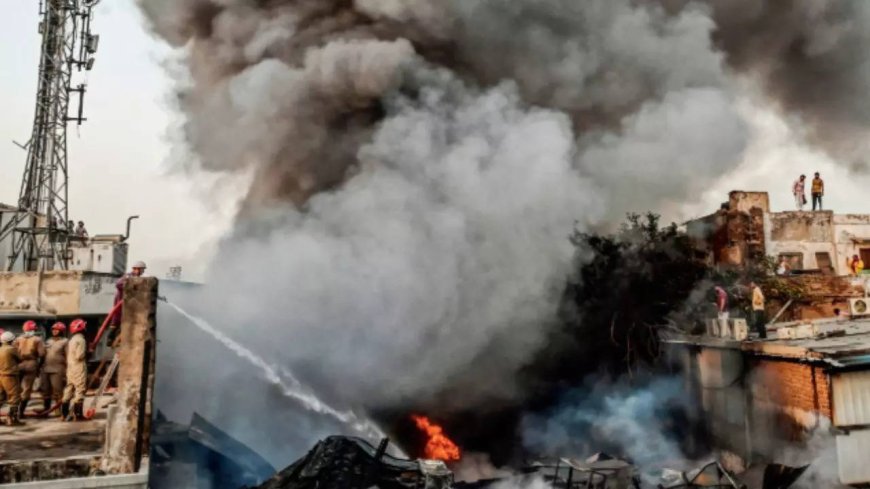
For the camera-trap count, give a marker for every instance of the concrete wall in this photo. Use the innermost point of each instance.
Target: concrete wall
(61, 293)
(807, 250)
(802, 226)
(808, 233)
(852, 233)
(129, 421)
(128, 481)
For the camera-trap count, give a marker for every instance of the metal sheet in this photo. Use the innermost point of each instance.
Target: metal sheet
(852, 450)
(852, 398)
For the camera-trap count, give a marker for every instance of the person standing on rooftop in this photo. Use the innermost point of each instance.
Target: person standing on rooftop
(799, 191)
(759, 322)
(818, 190)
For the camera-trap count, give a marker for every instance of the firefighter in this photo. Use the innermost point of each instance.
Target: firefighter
(31, 351)
(54, 372)
(9, 376)
(76, 373)
(137, 270)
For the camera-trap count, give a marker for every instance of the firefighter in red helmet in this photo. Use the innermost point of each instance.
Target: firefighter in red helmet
(76, 373)
(53, 378)
(31, 350)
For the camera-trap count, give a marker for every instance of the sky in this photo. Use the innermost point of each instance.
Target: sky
(121, 159)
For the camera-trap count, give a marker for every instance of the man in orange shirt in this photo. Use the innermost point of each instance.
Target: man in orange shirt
(818, 190)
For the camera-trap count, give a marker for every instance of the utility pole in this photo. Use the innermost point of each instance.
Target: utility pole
(39, 232)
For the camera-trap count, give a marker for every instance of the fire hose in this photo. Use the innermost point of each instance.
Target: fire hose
(105, 323)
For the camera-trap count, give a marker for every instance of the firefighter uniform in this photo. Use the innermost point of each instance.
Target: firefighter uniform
(9, 379)
(54, 372)
(76, 372)
(31, 351)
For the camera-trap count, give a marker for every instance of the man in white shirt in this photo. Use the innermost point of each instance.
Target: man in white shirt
(799, 191)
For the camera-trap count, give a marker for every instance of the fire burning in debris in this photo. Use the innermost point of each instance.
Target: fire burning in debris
(438, 445)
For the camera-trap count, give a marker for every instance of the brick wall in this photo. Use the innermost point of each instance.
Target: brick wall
(786, 404)
(796, 388)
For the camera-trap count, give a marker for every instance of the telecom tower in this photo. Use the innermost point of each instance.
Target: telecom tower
(39, 232)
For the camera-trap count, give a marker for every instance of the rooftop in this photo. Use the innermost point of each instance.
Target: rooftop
(839, 343)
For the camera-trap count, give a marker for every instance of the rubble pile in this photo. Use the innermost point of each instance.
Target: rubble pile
(340, 462)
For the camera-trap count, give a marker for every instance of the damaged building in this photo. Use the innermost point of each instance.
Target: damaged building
(745, 228)
(808, 379)
(811, 376)
(817, 245)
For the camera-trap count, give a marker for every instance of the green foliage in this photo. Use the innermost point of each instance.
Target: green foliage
(624, 286)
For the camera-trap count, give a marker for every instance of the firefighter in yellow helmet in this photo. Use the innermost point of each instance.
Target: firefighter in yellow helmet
(9, 376)
(76, 373)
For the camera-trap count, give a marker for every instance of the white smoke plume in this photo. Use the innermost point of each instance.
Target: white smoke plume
(418, 165)
(819, 451)
(627, 422)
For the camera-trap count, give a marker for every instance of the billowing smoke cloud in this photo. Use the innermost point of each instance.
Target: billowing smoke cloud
(810, 57)
(418, 165)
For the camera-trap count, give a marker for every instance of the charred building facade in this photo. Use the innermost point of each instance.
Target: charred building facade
(745, 229)
(816, 246)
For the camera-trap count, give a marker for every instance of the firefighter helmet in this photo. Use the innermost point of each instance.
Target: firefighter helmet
(77, 326)
(7, 337)
(29, 326)
(58, 326)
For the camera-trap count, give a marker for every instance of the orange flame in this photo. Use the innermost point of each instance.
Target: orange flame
(438, 446)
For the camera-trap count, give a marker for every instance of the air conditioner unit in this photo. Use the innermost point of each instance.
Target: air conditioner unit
(859, 306)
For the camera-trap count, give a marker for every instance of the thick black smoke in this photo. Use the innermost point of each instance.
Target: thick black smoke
(417, 166)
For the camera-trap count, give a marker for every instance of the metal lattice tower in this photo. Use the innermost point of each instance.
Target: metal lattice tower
(39, 232)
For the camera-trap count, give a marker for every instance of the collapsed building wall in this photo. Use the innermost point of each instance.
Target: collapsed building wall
(734, 235)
